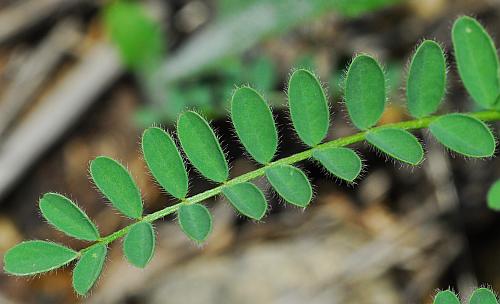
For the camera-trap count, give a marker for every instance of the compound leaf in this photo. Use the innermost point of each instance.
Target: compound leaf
(477, 60)
(165, 162)
(446, 297)
(201, 146)
(88, 269)
(308, 107)
(341, 162)
(247, 199)
(67, 217)
(291, 184)
(365, 91)
(464, 134)
(32, 257)
(426, 80)
(254, 124)
(493, 197)
(137, 36)
(195, 221)
(483, 296)
(398, 144)
(117, 185)
(139, 244)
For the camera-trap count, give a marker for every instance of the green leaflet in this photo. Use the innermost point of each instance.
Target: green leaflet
(254, 124)
(426, 80)
(137, 36)
(139, 244)
(308, 107)
(341, 162)
(464, 134)
(165, 162)
(247, 199)
(67, 217)
(365, 92)
(493, 197)
(291, 184)
(446, 297)
(195, 221)
(201, 146)
(398, 144)
(117, 185)
(32, 257)
(483, 296)
(477, 60)
(88, 269)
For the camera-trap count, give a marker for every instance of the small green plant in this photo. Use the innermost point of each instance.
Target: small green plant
(365, 99)
(479, 296)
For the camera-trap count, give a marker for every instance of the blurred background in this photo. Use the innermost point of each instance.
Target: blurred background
(84, 78)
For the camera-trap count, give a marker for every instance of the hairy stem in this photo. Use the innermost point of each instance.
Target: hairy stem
(344, 141)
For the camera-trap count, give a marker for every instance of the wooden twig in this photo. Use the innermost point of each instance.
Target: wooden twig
(57, 111)
(34, 71)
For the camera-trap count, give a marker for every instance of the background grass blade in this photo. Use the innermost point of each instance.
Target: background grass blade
(291, 184)
(483, 296)
(195, 221)
(426, 83)
(117, 185)
(308, 107)
(446, 297)
(254, 124)
(139, 244)
(202, 147)
(464, 134)
(365, 92)
(66, 216)
(165, 162)
(477, 60)
(342, 162)
(398, 144)
(32, 257)
(88, 269)
(247, 199)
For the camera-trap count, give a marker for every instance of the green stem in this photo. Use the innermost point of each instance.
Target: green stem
(358, 137)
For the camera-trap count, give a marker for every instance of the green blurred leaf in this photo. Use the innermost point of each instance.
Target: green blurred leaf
(67, 217)
(195, 221)
(427, 79)
(201, 146)
(398, 144)
(137, 36)
(464, 134)
(262, 74)
(483, 296)
(493, 197)
(117, 185)
(365, 91)
(446, 297)
(308, 107)
(88, 269)
(342, 162)
(291, 184)
(32, 257)
(247, 199)
(165, 162)
(139, 244)
(254, 124)
(477, 60)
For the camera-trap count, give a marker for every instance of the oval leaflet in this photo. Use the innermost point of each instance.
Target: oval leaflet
(341, 162)
(247, 199)
(88, 268)
(308, 107)
(201, 146)
(195, 221)
(398, 144)
(291, 184)
(139, 244)
(254, 124)
(67, 217)
(165, 162)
